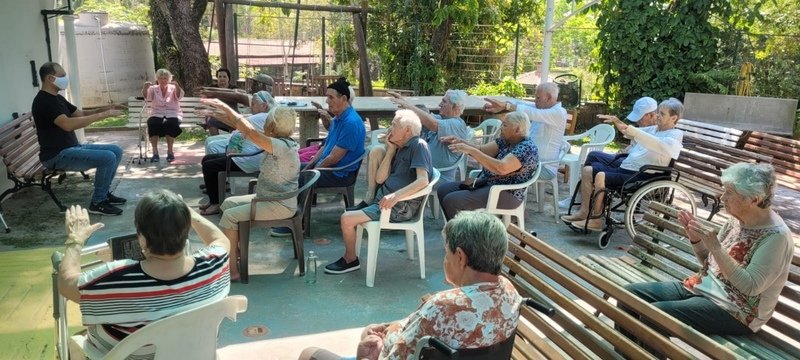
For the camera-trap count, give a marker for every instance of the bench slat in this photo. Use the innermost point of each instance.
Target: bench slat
(642, 332)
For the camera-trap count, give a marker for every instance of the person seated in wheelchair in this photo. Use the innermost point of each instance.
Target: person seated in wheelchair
(652, 145)
(220, 146)
(117, 298)
(511, 159)
(481, 310)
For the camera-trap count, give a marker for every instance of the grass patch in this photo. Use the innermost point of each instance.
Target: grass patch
(194, 133)
(115, 121)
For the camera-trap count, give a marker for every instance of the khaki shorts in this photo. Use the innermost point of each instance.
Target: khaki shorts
(237, 208)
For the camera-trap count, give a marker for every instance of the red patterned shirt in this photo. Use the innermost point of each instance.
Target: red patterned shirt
(471, 316)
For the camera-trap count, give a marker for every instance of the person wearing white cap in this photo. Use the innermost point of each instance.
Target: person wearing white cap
(652, 145)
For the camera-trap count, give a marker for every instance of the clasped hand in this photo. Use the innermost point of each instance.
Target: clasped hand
(697, 232)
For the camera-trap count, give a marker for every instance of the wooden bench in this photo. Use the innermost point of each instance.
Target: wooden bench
(707, 150)
(136, 112)
(19, 148)
(785, 155)
(660, 252)
(575, 331)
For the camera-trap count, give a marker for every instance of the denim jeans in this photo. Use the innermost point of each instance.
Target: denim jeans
(104, 157)
(696, 311)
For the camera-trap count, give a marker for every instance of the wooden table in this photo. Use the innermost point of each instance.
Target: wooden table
(373, 108)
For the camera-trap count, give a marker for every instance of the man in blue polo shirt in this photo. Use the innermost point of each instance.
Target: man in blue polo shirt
(344, 144)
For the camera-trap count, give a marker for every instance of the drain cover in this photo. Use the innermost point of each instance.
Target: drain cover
(256, 331)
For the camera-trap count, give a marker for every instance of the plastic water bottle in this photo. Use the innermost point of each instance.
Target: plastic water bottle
(311, 268)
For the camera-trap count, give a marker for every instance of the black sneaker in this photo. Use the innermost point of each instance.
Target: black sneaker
(104, 208)
(115, 200)
(358, 206)
(342, 267)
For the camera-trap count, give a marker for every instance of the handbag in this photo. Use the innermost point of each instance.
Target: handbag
(472, 184)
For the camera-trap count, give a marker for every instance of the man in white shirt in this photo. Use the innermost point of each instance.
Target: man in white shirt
(652, 145)
(548, 123)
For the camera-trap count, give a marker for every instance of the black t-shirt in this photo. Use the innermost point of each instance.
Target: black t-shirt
(46, 108)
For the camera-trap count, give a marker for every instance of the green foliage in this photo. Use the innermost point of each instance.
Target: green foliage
(116, 121)
(664, 48)
(418, 42)
(506, 87)
(130, 11)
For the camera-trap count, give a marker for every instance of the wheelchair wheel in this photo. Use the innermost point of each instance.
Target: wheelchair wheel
(605, 238)
(663, 191)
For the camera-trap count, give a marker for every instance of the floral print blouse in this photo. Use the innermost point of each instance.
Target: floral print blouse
(471, 316)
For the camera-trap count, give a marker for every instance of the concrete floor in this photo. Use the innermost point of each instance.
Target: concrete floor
(283, 309)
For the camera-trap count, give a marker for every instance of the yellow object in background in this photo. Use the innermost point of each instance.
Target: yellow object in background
(745, 79)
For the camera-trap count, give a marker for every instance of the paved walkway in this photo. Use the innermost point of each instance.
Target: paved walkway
(281, 303)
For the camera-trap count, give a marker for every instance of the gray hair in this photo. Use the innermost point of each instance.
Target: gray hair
(407, 118)
(352, 95)
(457, 98)
(163, 72)
(520, 120)
(673, 105)
(282, 120)
(752, 181)
(549, 88)
(482, 237)
(264, 96)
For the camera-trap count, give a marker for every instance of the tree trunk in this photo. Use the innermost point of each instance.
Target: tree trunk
(440, 39)
(176, 27)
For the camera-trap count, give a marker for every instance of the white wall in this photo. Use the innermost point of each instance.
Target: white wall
(21, 40)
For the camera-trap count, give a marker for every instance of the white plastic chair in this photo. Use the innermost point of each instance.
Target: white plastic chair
(553, 183)
(488, 129)
(412, 228)
(599, 136)
(373, 137)
(460, 164)
(191, 334)
(494, 198)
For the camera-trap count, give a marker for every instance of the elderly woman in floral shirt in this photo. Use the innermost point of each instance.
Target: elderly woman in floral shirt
(744, 266)
(480, 311)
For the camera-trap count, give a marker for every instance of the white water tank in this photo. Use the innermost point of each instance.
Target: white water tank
(114, 59)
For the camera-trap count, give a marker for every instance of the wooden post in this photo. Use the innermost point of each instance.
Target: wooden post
(230, 51)
(365, 82)
(219, 15)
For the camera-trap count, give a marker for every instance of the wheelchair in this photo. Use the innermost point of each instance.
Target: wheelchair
(650, 184)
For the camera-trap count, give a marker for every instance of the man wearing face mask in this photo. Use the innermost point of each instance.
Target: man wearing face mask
(56, 121)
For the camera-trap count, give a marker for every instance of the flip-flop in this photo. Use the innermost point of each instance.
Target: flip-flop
(204, 206)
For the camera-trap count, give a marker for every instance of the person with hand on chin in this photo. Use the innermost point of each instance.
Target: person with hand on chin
(405, 169)
(56, 121)
(120, 297)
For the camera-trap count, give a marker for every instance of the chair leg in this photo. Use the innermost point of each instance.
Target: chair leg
(350, 198)
(222, 180)
(244, 248)
(359, 234)
(307, 223)
(373, 243)
(299, 252)
(420, 234)
(435, 207)
(555, 198)
(540, 195)
(410, 244)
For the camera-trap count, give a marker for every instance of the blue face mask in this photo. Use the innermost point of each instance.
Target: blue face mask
(61, 82)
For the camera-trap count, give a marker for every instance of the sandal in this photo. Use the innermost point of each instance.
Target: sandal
(581, 224)
(211, 210)
(155, 158)
(170, 157)
(204, 206)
